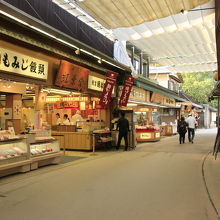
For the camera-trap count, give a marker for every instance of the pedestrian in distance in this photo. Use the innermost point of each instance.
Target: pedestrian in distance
(123, 127)
(191, 121)
(182, 129)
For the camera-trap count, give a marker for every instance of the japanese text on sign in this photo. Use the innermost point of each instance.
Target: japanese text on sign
(72, 76)
(108, 88)
(128, 83)
(96, 83)
(21, 64)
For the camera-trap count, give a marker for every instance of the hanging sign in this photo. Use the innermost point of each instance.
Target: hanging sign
(108, 88)
(41, 101)
(67, 104)
(14, 62)
(128, 83)
(96, 83)
(72, 76)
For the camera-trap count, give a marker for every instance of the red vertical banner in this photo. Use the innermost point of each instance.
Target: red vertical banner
(110, 82)
(128, 83)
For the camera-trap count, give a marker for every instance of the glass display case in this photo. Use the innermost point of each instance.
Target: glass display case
(13, 150)
(14, 156)
(37, 149)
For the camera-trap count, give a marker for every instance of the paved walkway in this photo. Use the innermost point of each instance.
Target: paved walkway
(162, 180)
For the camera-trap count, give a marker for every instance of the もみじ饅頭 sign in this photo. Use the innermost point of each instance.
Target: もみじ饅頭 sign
(14, 62)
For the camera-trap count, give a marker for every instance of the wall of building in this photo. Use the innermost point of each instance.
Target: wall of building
(162, 79)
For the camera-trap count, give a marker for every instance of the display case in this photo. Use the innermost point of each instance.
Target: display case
(14, 156)
(84, 126)
(44, 150)
(145, 133)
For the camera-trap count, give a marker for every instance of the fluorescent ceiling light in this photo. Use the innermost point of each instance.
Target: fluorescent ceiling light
(136, 36)
(14, 18)
(159, 31)
(147, 34)
(184, 25)
(131, 104)
(43, 32)
(171, 28)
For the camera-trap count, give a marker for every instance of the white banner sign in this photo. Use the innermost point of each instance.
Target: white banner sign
(11, 61)
(96, 83)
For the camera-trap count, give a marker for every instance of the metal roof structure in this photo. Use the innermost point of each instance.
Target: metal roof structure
(181, 42)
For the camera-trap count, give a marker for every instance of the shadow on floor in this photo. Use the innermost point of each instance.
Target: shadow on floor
(67, 159)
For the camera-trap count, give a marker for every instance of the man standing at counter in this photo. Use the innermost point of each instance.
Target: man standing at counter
(77, 117)
(123, 127)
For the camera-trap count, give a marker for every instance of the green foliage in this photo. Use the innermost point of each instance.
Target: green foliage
(199, 86)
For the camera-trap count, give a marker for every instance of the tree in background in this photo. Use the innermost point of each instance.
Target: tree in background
(199, 86)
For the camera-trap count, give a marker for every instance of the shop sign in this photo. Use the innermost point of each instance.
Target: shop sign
(14, 62)
(108, 89)
(41, 101)
(144, 109)
(145, 135)
(128, 83)
(169, 101)
(157, 98)
(80, 99)
(67, 104)
(96, 83)
(17, 106)
(137, 94)
(157, 135)
(72, 76)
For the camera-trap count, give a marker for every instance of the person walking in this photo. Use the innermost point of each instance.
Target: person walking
(123, 127)
(182, 129)
(191, 121)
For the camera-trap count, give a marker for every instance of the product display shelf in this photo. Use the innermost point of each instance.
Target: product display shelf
(15, 156)
(44, 153)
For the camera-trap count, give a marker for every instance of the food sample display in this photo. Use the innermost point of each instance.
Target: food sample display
(44, 148)
(14, 156)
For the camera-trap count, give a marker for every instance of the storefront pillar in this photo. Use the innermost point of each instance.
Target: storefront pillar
(132, 56)
(13, 112)
(141, 64)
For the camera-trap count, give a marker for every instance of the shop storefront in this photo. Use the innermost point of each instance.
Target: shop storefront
(54, 102)
(150, 118)
(83, 113)
(39, 99)
(22, 74)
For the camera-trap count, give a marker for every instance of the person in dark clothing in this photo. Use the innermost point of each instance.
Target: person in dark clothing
(123, 127)
(182, 129)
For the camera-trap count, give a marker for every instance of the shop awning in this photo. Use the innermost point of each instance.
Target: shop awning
(159, 89)
(125, 13)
